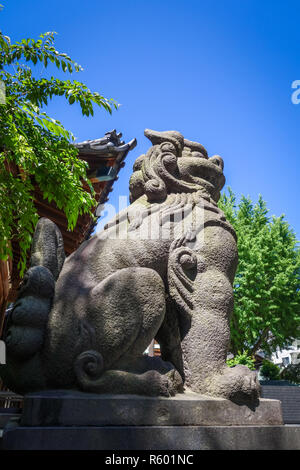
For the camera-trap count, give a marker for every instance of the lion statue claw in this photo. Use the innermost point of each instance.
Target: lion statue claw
(163, 268)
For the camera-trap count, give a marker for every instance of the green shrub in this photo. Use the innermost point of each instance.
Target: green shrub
(291, 373)
(270, 371)
(242, 358)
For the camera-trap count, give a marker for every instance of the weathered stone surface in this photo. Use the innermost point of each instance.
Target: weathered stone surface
(153, 438)
(163, 268)
(62, 408)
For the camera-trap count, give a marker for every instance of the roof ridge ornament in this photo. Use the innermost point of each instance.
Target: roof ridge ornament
(110, 143)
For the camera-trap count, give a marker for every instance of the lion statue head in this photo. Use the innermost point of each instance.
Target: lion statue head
(175, 165)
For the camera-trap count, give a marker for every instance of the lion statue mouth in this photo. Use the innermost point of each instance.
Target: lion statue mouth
(195, 167)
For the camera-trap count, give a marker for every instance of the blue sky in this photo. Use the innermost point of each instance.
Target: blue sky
(218, 71)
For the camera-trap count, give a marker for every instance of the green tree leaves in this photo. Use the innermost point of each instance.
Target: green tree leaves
(291, 373)
(267, 282)
(270, 371)
(35, 149)
(242, 358)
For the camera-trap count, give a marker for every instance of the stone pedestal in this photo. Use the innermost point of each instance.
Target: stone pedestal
(68, 408)
(74, 420)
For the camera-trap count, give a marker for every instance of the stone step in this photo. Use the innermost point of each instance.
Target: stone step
(152, 438)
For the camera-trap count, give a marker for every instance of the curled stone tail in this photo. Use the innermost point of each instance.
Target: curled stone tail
(88, 368)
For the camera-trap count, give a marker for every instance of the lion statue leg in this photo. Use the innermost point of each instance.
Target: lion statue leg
(206, 340)
(200, 284)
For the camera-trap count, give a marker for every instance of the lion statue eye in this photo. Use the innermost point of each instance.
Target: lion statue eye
(217, 160)
(198, 155)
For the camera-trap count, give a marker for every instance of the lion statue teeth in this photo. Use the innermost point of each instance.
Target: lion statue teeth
(163, 269)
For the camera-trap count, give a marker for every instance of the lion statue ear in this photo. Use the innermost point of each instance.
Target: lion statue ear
(136, 182)
(136, 186)
(139, 162)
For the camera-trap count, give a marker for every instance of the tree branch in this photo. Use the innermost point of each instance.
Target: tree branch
(263, 336)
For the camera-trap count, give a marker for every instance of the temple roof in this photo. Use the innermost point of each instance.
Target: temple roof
(110, 144)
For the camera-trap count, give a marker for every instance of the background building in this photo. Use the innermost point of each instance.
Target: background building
(291, 355)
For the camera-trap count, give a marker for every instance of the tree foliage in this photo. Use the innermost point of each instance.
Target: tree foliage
(242, 358)
(34, 148)
(269, 370)
(291, 373)
(267, 282)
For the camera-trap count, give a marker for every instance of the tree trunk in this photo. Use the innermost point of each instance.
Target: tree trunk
(5, 267)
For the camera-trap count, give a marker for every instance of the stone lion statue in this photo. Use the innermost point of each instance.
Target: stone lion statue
(163, 269)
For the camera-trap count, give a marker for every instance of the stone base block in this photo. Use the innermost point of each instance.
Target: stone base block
(70, 408)
(149, 438)
(68, 420)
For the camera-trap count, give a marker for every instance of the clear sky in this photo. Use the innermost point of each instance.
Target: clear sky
(219, 71)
